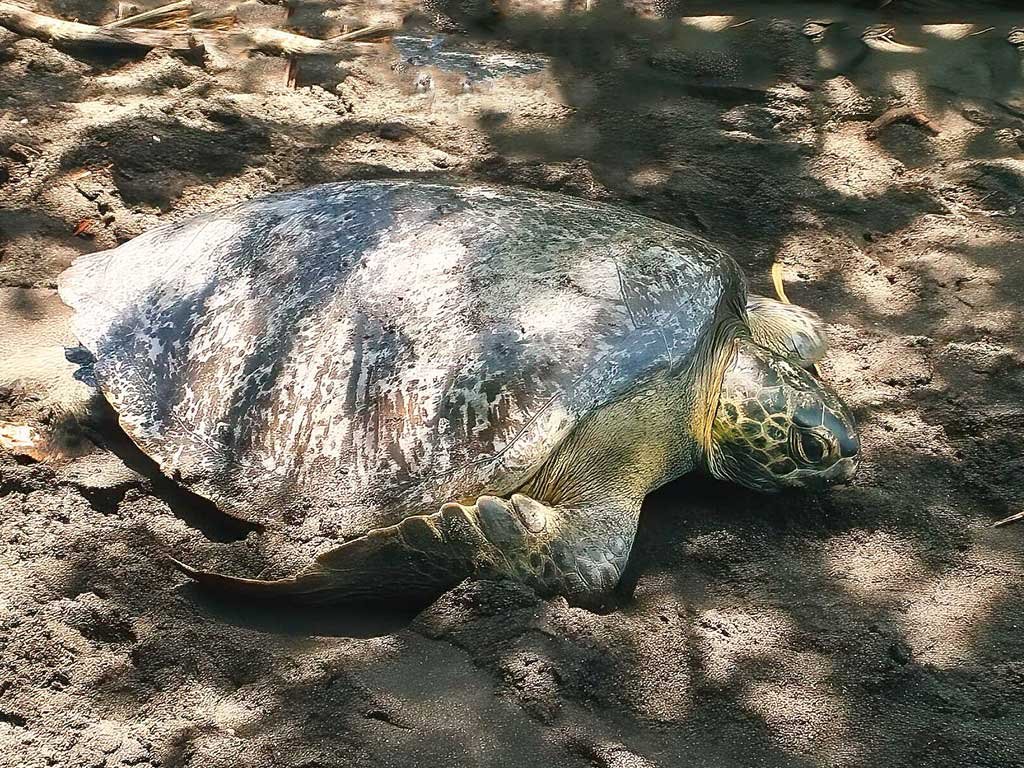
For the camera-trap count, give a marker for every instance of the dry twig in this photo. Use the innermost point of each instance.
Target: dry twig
(281, 43)
(901, 115)
(153, 13)
(49, 29)
(881, 39)
(270, 41)
(1007, 520)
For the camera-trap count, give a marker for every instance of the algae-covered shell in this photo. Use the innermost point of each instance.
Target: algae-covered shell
(353, 353)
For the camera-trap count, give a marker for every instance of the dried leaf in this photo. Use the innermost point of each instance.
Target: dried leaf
(84, 228)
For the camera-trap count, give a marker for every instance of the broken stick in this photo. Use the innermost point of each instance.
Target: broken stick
(901, 115)
(1008, 520)
(281, 43)
(271, 41)
(49, 29)
(138, 18)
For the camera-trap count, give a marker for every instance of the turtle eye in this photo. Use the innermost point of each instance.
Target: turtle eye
(811, 447)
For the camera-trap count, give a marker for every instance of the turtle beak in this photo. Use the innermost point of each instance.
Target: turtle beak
(848, 445)
(842, 471)
(817, 481)
(839, 422)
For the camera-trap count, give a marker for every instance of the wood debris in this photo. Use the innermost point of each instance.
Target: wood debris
(84, 228)
(263, 40)
(49, 29)
(1008, 520)
(901, 115)
(136, 19)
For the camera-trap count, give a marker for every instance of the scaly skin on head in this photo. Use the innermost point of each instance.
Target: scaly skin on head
(777, 427)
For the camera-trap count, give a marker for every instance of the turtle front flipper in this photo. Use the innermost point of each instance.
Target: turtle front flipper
(579, 553)
(793, 332)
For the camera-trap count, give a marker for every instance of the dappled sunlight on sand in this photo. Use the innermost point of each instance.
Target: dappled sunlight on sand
(232, 715)
(725, 638)
(875, 564)
(709, 23)
(796, 698)
(615, 755)
(658, 685)
(661, 692)
(875, 625)
(949, 31)
(876, 290)
(806, 714)
(653, 175)
(946, 613)
(852, 166)
(940, 613)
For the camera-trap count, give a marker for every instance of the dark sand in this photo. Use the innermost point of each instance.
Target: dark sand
(878, 625)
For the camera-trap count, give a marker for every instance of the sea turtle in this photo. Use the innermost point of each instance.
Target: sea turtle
(451, 379)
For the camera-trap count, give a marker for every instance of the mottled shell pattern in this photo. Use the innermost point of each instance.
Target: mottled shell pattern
(363, 351)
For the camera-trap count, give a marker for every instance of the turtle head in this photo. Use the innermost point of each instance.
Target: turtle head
(777, 427)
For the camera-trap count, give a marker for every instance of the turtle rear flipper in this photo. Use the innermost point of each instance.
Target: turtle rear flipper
(219, 582)
(377, 567)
